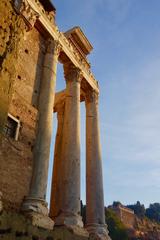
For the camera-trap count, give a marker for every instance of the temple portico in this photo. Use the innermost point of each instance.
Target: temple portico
(67, 166)
(65, 192)
(70, 49)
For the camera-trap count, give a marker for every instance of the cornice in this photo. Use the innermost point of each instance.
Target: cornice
(79, 37)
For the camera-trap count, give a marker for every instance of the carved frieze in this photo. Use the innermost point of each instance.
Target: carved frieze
(28, 13)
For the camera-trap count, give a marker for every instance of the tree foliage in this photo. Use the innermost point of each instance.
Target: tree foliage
(116, 203)
(138, 208)
(153, 212)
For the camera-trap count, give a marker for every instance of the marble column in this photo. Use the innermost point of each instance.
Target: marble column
(57, 186)
(35, 201)
(70, 171)
(95, 216)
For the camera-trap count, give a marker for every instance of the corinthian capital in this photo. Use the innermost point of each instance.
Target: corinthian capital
(72, 73)
(92, 96)
(53, 47)
(28, 13)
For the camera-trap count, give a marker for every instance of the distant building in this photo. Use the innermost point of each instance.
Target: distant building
(125, 214)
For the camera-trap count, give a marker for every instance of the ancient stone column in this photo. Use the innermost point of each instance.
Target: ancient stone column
(70, 171)
(95, 216)
(57, 186)
(35, 201)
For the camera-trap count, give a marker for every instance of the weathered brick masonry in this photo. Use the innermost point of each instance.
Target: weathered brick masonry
(21, 58)
(11, 32)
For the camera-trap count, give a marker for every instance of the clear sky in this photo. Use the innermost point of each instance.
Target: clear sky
(125, 35)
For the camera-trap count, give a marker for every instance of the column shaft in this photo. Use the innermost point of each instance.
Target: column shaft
(95, 217)
(36, 198)
(57, 186)
(70, 170)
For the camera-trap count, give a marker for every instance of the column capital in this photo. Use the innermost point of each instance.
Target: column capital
(53, 47)
(72, 73)
(92, 96)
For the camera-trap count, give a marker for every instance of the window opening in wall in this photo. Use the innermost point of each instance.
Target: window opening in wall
(12, 126)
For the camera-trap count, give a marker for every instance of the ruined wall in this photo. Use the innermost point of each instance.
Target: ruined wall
(12, 28)
(126, 216)
(14, 226)
(20, 80)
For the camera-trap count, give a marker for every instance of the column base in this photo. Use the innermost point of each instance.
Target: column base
(98, 232)
(69, 219)
(36, 210)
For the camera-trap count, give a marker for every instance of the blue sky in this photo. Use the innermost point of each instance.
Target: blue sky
(125, 35)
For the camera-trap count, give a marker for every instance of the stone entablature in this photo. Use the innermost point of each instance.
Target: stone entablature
(80, 43)
(53, 31)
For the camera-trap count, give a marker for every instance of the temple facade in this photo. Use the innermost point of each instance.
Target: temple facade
(31, 46)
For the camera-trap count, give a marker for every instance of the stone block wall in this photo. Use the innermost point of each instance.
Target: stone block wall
(15, 226)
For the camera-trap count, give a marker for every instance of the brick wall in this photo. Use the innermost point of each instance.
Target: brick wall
(20, 72)
(12, 28)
